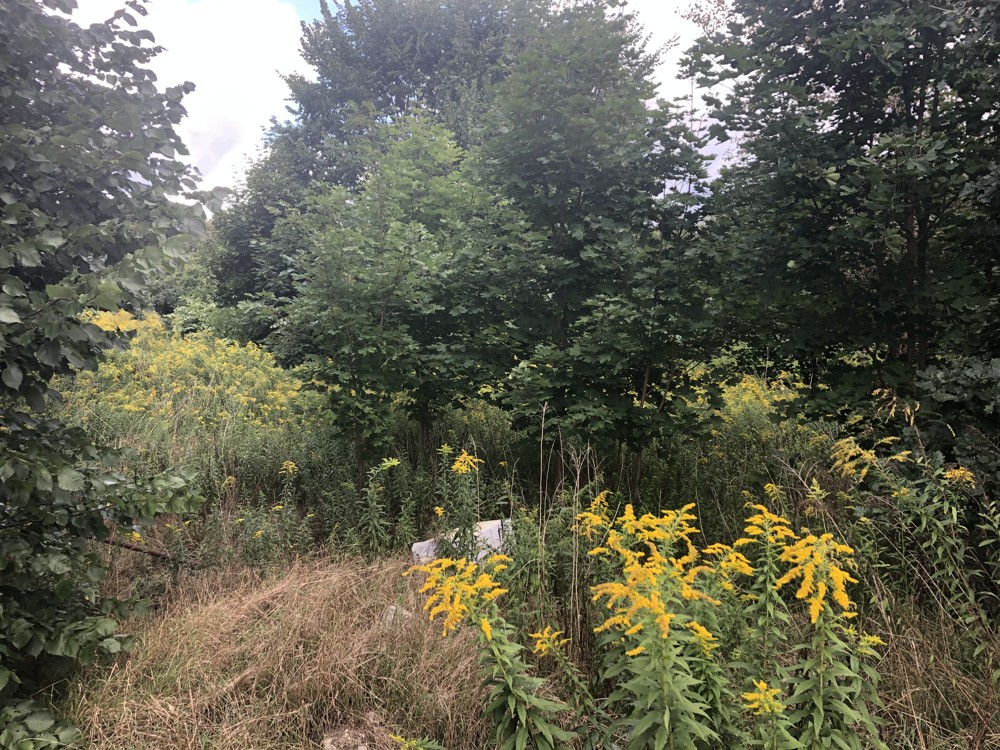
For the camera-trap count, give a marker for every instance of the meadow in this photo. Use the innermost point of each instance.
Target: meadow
(805, 584)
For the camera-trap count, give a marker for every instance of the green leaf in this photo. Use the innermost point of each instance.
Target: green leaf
(40, 721)
(70, 479)
(12, 376)
(9, 315)
(60, 291)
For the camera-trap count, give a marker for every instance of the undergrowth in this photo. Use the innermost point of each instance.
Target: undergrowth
(723, 621)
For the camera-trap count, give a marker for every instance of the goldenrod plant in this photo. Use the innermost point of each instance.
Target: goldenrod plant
(373, 530)
(658, 653)
(224, 408)
(665, 634)
(458, 497)
(464, 592)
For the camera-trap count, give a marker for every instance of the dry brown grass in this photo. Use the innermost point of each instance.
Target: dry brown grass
(236, 661)
(937, 695)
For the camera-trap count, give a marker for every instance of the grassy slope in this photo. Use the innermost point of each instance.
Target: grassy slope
(237, 661)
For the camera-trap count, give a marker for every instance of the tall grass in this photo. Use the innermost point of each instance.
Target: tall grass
(234, 660)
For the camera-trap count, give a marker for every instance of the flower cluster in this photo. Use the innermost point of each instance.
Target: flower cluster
(765, 527)
(465, 463)
(764, 700)
(548, 640)
(648, 548)
(597, 519)
(818, 562)
(458, 588)
(960, 476)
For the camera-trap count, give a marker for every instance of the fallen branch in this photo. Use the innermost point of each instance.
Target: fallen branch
(137, 548)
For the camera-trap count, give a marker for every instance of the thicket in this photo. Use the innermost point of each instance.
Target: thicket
(743, 429)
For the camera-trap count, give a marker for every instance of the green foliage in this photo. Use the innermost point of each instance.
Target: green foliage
(88, 163)
(221, 408)
(523, 718)
(853, 240)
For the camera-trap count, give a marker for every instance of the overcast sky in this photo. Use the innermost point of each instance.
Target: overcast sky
(234, 50)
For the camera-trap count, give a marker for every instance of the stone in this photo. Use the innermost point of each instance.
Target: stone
(489, 534)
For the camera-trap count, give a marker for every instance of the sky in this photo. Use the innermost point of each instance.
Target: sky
(235, 52)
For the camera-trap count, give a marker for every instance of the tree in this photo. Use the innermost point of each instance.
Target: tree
(374, 61)
(854, 235)
(365, 315)
(586, 160)
(87, 171)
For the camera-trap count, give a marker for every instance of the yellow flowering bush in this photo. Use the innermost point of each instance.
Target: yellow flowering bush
(224, 407)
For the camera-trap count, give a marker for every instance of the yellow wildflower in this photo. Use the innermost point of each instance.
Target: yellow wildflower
(278, 507)
(648, 574)
(764, 700)
(456, 589)
(465, 463)
(438, 511)
(288, 469)
(487, 630)
(765, 527)
(960, 476)
(596, 518)
(388, 463)
(704, 637)
(548, 639)
(817, 562)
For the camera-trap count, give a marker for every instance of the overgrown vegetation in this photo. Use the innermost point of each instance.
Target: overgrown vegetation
(741, 431)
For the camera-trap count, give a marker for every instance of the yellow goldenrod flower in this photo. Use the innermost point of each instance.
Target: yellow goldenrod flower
(288, 469)
(867, 644)
(851, 460)
(765, 527)
(548, 639)
(648, 574)
(388, 463)
(135, 536)
(258, 533)
(438, 511)
(817, 562)
(278, 507)
(466, 464)
(595, 519)
(703, 636)
(456, 589)
(763, 701)
(487, 630)
(960, 476)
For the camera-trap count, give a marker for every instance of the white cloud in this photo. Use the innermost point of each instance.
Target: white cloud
(233, 51)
